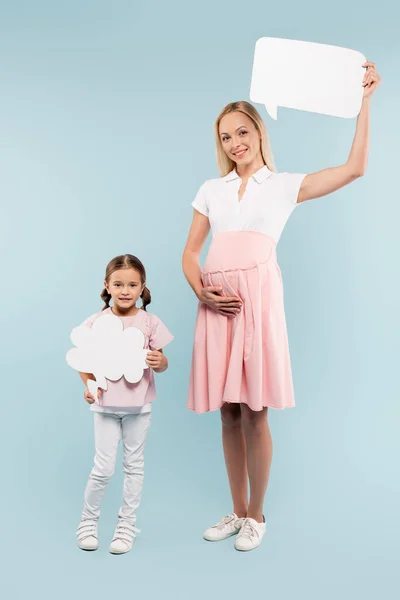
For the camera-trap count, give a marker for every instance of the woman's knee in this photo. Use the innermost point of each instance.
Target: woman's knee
(253, 419)
(230, 415)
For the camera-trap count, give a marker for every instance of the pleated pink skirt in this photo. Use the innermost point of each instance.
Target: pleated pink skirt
(244, 359)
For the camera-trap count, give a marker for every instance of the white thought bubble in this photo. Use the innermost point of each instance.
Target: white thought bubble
(108, 351)
(307, 76)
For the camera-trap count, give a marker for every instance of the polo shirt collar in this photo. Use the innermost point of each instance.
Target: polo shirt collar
(260, 175)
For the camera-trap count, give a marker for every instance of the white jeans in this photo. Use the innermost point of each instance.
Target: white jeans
(109, 429)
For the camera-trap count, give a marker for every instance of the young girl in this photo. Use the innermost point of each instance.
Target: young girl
(123, 411)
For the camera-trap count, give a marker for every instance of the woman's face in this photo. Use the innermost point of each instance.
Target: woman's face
(125, 287)
(239, 138)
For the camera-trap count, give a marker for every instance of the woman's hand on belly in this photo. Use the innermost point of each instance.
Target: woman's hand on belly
(224, 305)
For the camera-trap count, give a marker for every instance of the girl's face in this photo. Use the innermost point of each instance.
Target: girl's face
(239, 138)
(125, 287)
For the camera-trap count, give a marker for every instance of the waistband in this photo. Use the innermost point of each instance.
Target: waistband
(232, 250)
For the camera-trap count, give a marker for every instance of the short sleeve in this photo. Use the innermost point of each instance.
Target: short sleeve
(291, 186)
(200, 202)
(90, 320)
(159, 335)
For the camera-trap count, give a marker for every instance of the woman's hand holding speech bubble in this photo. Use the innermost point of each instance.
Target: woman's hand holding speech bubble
(371, 79)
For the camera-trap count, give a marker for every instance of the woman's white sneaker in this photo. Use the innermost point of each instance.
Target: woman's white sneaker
(87, 535)
(124, 537)
(229, 525)
(250, 535)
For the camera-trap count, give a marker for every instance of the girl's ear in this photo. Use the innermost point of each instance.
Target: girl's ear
(106, 286)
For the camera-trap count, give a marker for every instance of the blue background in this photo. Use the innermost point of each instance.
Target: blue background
(106, 133)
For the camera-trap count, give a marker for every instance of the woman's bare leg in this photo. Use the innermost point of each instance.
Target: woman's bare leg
(259, 456)
(235, 456)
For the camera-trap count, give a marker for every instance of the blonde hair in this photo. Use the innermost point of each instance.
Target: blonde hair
(225, 164)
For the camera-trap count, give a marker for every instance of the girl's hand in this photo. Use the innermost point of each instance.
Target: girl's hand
(89, 397)
(371, 79)
(156, 360)
(224, 305)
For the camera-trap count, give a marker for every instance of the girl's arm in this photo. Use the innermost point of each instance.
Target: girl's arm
(87, 395)
(86, 376)
(157, 360)
(327, 181)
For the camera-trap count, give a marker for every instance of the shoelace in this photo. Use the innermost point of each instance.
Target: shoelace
(87, 529)
(248, 530)
(125, 532)
(224, 522)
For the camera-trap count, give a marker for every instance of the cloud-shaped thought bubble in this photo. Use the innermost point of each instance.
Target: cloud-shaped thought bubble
(307, 76)
(108, 351)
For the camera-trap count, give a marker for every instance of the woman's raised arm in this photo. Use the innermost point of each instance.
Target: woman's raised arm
(327, 181)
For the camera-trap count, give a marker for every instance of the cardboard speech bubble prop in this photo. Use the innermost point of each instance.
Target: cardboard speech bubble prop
(307, 76)
(108, 351)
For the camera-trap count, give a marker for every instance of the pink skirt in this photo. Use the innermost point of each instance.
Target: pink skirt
(245, 358)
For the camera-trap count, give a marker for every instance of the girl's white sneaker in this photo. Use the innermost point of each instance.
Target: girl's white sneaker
(87, 535)
(124, 537)
(250, 535)
(229, 525)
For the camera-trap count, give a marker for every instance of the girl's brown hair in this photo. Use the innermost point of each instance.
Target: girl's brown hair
(225, 164)
(126, 261)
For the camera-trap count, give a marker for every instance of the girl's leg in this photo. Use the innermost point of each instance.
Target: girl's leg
(259, 457)
(134, 432)
(235, 456)
(107, 434)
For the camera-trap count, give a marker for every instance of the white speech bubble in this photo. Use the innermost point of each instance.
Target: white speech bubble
(307, 76)
(108, 351)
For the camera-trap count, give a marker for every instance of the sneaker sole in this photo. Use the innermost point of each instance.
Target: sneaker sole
(247, 549)
(88, 549)
(117, 553)
(222, 538)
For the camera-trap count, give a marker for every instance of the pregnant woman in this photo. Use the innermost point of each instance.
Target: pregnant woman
(241, 362)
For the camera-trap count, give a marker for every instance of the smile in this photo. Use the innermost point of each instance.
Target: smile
(240, 154)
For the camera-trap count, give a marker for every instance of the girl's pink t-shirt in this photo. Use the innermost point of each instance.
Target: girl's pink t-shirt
(121, 393)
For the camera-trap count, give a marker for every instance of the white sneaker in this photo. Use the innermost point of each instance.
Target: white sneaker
(87, 535)
(124, 537)
(228, 526)
(250, 535)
